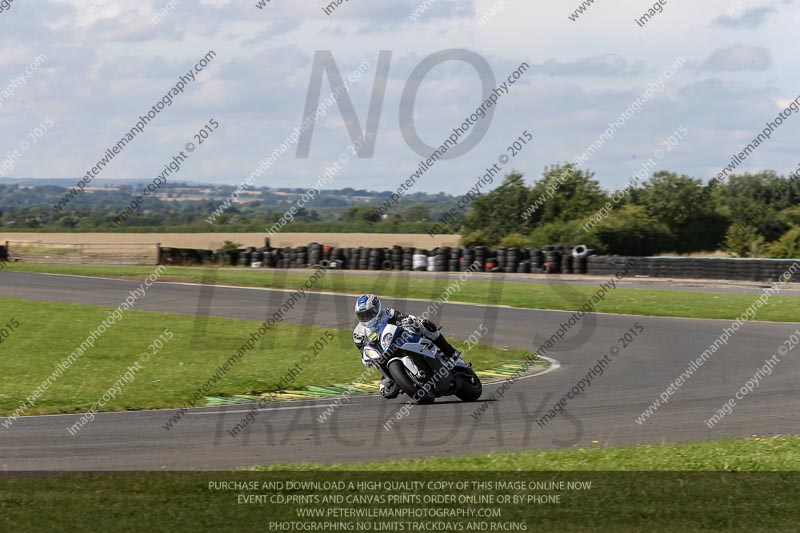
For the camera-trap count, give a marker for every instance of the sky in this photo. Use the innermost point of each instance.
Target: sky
(101, 64)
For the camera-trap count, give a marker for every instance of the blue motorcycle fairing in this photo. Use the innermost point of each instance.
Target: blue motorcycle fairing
(398, 340)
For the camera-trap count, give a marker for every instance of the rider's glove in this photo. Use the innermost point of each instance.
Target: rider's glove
(359, 340)
(409, 322)
(366, 361)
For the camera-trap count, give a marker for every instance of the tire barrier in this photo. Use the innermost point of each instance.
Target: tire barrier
(552, 261)
(581, 251)
(764, 270)
(481, 253)
(566, 261)
(187, 256)
(420, 260)
(578, 260)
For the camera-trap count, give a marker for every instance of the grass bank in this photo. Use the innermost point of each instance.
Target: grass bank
(49, 332)
(514, 294)
(699, 487)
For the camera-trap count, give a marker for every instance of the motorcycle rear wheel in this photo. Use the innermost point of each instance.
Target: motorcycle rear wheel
(400, 376)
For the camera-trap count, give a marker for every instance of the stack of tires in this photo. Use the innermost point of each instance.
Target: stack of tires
(537, 260)
(441, 259)
(455, 260)
(408, 259)
(580, 256)
(512, 260)
(363, 258)
(245, 257)
(552, 260)
(481, 254)
(524, 265)
(352, 258)
(419, 260)
(397, 257)
(492, 261)
(377, 259)
(300, 257)
(315, 254)
(467, 258)
(500, 263)
(227, 257)
(567, 261)
(338, 258)
(286, 257)
(269, 258)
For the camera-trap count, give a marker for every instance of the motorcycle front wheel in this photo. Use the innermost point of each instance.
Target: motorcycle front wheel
(397, 370)
(471, 387)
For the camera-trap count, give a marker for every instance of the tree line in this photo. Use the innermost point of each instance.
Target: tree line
(751, 215)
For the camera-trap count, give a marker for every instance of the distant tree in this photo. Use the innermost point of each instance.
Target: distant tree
(744, 241)
(499, 212)
(680, 204)
(755, 200)
(559, 233)
(417, 212)
(629, 230)
(359, 214)
(788, 246)
(575, 194)
(790, 216)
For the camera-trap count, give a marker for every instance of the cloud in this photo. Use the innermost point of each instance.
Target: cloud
(602, 65)
(738, 58)
(107, 65)
(750, 19)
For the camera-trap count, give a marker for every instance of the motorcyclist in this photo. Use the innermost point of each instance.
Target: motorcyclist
(371, 313)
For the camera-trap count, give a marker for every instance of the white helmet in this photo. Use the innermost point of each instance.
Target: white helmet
(369, 310)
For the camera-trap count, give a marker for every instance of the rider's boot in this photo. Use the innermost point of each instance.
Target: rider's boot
(446, 348)
(389, 389)
(433, 333)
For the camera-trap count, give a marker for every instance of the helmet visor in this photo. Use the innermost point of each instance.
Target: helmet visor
(366, 316)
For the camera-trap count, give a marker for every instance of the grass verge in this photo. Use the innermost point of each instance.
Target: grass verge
(49, 332)
(511, 498)
(730, 455)
(514, 294)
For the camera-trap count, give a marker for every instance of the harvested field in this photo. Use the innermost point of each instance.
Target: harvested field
(214, 240)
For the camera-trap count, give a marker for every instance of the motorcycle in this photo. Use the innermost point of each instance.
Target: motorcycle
(418, 367)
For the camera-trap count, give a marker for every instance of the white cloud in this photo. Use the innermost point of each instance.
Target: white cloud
(107, 66)
(738, 58)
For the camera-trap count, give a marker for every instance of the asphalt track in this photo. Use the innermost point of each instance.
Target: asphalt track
(290, 433)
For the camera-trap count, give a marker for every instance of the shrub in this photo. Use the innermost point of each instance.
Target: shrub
(788, 246)
(514, 240)
(744, 241)
(630, 231)
(475, 238)
(566, 233)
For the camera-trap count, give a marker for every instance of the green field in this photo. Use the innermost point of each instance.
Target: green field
(49, 332)
(514, 294)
